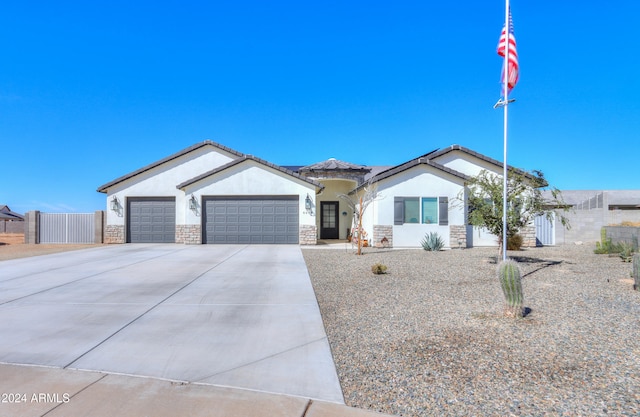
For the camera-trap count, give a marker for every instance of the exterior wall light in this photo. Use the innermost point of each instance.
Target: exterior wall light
(193, 203)
(307, 203)
(114, 204)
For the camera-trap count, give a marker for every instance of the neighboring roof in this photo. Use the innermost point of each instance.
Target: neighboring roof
(7, 214)
(334, 164)
(103, 188)
(250, 158)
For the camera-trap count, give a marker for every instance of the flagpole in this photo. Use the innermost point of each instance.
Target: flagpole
(506, 125)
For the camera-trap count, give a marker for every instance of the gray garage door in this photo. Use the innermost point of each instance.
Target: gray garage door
(259, 219)
(151, 220)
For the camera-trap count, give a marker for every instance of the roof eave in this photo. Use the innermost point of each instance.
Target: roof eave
(241, 160)
(104, 188)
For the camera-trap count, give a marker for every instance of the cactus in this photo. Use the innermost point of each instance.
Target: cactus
(510, 280)
(636, 272)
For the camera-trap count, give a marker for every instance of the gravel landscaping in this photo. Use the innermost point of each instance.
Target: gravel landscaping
(429, 338)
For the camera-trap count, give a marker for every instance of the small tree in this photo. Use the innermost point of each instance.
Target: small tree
(358, 203)
(524, 201)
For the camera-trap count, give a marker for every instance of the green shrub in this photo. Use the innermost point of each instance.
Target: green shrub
(379, 268)
(432, 242)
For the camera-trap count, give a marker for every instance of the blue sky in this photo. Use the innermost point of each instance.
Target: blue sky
(92, 90)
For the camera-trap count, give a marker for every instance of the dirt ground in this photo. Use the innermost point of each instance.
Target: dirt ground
(12, 246)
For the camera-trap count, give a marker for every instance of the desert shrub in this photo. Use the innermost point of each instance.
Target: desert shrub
(432, 242)
(379, 268)
(515, 242)
(626, 251)
(606, 246)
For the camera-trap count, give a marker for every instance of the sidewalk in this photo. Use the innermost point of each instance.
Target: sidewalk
(36, 391)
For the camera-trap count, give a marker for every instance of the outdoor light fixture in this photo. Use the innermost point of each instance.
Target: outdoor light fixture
(193, 204)
(115, 204)
(307, 203)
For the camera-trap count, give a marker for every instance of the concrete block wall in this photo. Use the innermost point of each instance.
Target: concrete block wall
(32, 227)
(99, 223)
(12, 226)
(585, 226)
(619, 234)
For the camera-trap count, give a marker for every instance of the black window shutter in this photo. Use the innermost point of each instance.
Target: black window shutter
(443, 211)
(398, 210)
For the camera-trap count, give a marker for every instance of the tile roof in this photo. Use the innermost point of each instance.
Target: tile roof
(250, 158)
(334, 164)
(104, 188)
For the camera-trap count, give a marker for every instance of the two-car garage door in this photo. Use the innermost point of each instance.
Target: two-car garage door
(250, 219)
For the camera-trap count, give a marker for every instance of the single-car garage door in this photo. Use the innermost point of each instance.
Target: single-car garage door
(151, 220)
(251, 219)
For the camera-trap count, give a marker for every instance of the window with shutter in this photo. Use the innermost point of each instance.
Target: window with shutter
(443, 211)
(398, 210)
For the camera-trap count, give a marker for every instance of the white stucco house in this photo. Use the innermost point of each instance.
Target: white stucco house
(209, 193)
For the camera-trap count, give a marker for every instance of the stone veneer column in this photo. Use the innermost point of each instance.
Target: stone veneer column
(381, 232)
(528, 234)
(190, 234)
(458, 236)
(308, 234)
(114, 234)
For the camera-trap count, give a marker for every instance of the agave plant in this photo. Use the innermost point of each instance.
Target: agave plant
(432, 242)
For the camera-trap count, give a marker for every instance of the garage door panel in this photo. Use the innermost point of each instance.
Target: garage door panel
(151, 220)
(260, 219)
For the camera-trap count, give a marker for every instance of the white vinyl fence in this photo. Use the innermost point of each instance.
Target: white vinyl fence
(67, 227)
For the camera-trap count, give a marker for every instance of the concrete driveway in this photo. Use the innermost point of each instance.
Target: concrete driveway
(232, 315)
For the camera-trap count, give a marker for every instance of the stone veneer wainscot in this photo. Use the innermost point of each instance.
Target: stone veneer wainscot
(114, 234)
(308, 235)
(190, 234)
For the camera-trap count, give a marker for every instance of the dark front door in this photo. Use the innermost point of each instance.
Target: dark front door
(329, 220)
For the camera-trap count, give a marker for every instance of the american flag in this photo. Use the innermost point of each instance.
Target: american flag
(513, 54)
